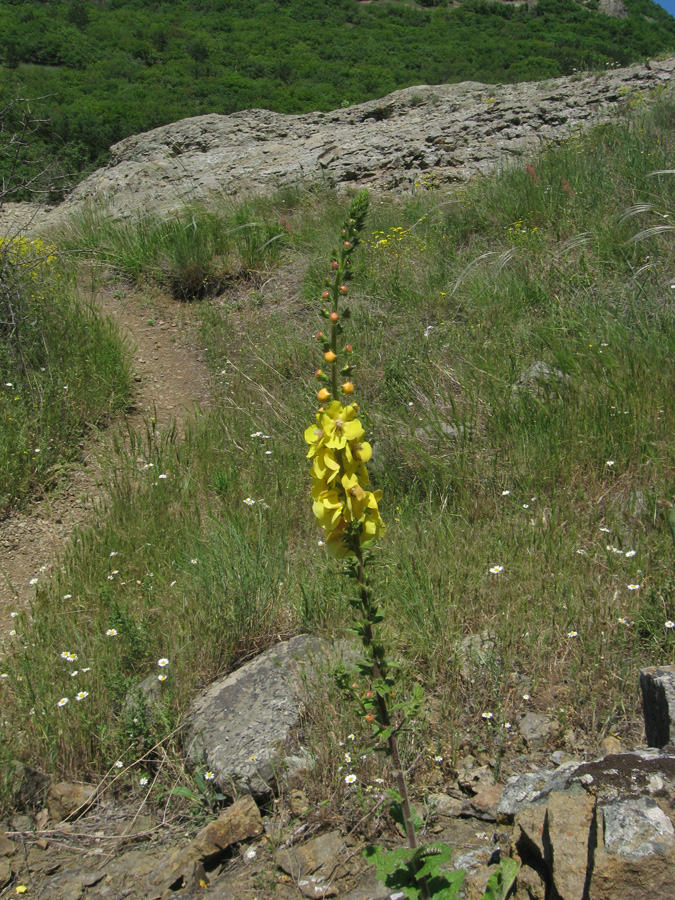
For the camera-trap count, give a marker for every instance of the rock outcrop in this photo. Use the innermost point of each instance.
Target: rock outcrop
(438, 134)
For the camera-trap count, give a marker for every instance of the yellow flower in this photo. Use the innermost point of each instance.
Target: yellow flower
(315, 437)
(358, 451)
(334, 542)
(340, 425)
(326, 467)
(356, 498)
(328, 509)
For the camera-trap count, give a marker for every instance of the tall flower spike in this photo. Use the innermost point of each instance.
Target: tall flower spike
(343, 506)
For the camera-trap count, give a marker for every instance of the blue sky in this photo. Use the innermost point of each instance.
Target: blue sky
(668, 5)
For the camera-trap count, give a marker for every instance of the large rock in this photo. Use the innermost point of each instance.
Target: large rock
(443, 133)
(569, 847)
(635, 857)
(658, 704)
(68, 800)
(610, 778)
(322, 854)
(238, 725)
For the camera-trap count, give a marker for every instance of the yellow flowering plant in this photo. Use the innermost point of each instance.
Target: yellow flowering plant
(348, 512)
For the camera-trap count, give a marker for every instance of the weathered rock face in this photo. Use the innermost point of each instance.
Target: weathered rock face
(658, 703)
(441, 133)
(238, 725)
(598, 830)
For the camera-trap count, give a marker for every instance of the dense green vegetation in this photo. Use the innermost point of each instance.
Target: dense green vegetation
(540, 521)
(109, 69)
(63, 368)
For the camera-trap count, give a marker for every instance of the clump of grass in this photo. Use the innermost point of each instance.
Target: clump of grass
(529, 514)
(63, 368)
(192, 254)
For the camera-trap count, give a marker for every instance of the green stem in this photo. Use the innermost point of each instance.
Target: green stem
(384, 715)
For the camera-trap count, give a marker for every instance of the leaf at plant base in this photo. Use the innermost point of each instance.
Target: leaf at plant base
(387, 861)
(200, 782)
(499, 883)
(182, 791)
(447, 887)
(431, 858)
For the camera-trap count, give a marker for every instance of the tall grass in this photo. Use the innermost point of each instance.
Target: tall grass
(560, 485)
(63, 368)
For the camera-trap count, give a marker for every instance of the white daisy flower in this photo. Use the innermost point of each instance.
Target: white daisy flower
(350, 779)
(438, 758)
(495, 570)
(62, 701)
(209, 776)
(670, 624)
(33, 581)
(249, 501)
(572, 634)
(111, 632)
(505, 493)
(161, 678)
(609, 463)
(194, 561)
(143, 781)
(633, 587)
(486, 715)
(67, 596)
(82, 695)
(119, 764)
(163, 662)
(630, 553)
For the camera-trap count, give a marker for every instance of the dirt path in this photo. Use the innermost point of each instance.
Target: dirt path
(171, 379)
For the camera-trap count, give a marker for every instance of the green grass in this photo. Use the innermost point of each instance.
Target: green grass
(63, 368)
(454, 296)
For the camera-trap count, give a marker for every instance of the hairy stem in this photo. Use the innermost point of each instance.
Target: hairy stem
(384, 714)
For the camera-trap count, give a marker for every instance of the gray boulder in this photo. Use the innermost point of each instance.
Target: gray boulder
(237, 727)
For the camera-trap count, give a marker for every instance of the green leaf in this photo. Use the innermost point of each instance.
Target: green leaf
(432, 857)
(183, 791)
(200, 781)
(500, 882)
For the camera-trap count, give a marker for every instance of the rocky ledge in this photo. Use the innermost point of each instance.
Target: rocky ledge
(428, 135)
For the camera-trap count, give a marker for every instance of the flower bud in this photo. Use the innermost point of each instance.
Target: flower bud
(344, 231)
(329, 356)
(323, 395)
(327, 279)
(343, 288)
(334, 264)
(319, 335)
(347, 388)
(325, 294)
(347, 245)
(370, 717)
(333, 317)
(318, 374)
(348, 348)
